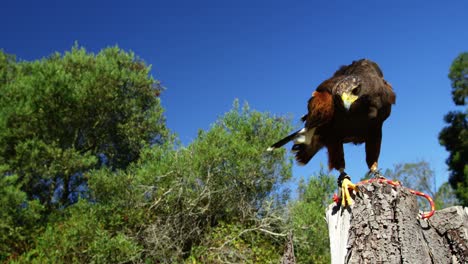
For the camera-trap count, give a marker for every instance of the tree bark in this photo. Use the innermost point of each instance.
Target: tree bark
(288, 255)
(383, 226)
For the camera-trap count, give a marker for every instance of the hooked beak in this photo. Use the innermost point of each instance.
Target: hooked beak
(348, 99)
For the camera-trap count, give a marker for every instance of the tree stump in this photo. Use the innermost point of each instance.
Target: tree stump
(383, 226)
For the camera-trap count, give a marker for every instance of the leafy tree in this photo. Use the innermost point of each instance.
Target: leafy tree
(18, 217)
(459, 77)
(210, 201)
(66, 114)
(217, 184)
(90, 174)
(445, 196)
(308, 218)
(82, 237)
(455, 136)
(259, 240)
(60, 117)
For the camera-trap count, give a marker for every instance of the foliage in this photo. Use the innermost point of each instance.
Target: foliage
(223, 178)
(81, 237)
(216, 199)
(308, 218)
(459, 77)
(18, 216)
(445, 197)
(455, 136)
(241, 243)
(60, 117)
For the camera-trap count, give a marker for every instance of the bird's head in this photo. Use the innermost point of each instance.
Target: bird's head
(348, 90)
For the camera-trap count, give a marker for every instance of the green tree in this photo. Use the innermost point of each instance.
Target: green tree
(90, 174)
(216, 187)
(455, 136)
(445, 196)
(18, 217)
(213, 200)
(310, 229)
(60, 117)
(60, 114)
(82, 235)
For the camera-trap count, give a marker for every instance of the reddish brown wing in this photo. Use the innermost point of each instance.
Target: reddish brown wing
(320, 112)
(320, 106)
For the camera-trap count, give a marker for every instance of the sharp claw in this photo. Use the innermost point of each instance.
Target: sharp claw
(346, 195)
(344, 184)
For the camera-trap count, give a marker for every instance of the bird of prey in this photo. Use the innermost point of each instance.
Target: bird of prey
(350, 107)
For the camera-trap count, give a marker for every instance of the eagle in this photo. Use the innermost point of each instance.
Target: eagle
(349, 107)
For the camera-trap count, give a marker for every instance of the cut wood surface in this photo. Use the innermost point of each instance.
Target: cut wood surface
(383, 226)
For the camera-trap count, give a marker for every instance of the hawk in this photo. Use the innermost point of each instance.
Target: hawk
(350, 107)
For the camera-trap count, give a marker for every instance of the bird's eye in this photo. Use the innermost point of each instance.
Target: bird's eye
(356, 90)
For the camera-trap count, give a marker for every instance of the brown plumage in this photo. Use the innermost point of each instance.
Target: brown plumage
(350, 107)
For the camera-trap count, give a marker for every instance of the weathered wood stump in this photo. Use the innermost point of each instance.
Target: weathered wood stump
(383, 226)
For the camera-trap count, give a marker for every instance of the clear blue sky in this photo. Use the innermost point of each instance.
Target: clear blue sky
(272, 54)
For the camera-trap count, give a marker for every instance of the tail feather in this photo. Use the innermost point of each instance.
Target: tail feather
(304, 153)
(283, 141)
(306, 144)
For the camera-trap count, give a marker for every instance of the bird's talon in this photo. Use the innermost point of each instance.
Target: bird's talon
(344, 187)
(341, 178)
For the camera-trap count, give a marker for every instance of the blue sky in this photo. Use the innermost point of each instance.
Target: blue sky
(271, 54)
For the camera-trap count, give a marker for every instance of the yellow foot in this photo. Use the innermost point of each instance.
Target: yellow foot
(346, 185)
(374, 171)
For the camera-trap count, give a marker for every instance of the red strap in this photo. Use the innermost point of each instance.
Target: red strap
(397, 183)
